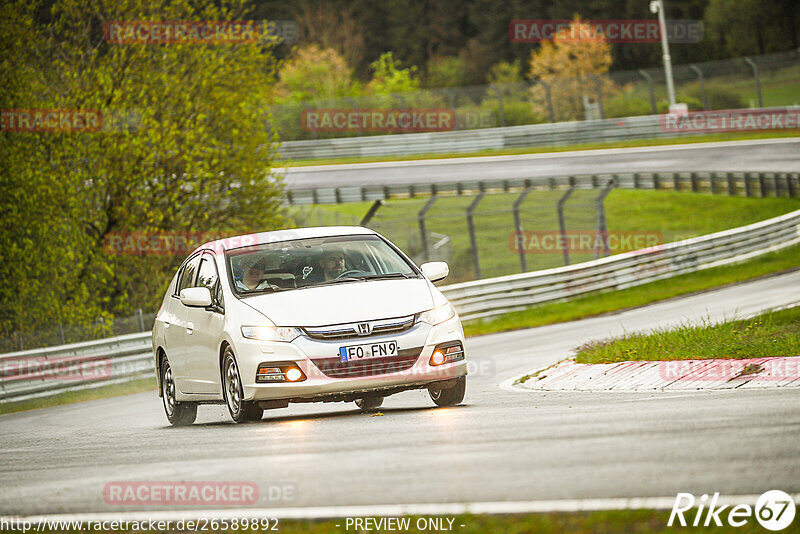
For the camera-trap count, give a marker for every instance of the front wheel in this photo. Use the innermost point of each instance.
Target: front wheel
(241, 411)
(178, 413)
(450, 396)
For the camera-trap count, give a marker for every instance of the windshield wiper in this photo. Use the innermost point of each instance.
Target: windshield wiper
(386, 276)
(337, 280)
(270, 287)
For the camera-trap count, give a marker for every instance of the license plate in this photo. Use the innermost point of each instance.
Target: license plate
(368, 351)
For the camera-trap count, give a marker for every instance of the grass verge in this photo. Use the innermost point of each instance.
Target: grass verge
(599, 303)
(731, 136)
(102, 392)
(772, 334)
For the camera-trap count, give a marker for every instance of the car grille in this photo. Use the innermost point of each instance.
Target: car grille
(335, 368)
(350, 330)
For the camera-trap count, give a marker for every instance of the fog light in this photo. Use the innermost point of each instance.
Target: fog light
(294, 374)
(437, 358)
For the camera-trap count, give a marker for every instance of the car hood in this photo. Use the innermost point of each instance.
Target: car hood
(347, 302)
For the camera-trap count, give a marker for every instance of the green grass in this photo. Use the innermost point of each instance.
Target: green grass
(665, 215)
(102, 392)
(602, 522)
(727, 136)
(772, 334)
(600, 303)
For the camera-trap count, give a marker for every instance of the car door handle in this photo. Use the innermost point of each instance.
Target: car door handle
(189, 327)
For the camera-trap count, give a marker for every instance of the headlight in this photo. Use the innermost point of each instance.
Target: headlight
(438, 315)
(271, 333)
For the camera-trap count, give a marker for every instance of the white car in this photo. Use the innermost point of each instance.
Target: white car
(305, 315)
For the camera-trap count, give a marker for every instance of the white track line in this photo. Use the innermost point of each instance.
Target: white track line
(392, 510)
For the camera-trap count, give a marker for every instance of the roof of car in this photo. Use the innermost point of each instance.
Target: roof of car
(248, 240)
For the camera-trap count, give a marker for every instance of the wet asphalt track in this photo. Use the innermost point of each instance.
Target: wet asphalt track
(498, 446)
(768, 155)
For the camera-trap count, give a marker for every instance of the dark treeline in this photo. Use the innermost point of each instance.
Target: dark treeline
(422, 32)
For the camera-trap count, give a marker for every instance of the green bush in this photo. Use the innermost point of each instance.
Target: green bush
(693, 103)
(627, 106)
(717, 96)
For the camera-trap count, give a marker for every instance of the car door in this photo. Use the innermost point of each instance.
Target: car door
(175, 331)
(203, 332)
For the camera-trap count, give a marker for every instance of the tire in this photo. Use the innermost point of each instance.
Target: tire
(178, 413)
(450, 396)
(369, 403)
(241, 411)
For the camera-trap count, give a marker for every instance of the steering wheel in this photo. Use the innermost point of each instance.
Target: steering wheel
(348, 273)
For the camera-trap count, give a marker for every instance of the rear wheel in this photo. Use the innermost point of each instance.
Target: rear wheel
(241, 411)
(369, 403)
(178, 413)
(450, 396)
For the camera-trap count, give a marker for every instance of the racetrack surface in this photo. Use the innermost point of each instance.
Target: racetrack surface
(767, 155)
(500, 445)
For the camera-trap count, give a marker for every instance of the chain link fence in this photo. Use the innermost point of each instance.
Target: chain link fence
(64, 334)
(770, 80)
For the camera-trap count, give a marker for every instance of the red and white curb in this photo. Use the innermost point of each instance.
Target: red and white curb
(675, 375)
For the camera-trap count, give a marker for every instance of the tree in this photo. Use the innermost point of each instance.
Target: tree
(190, 151)
(572, 68)
(332, 27)
(389, 76)
(313, 73)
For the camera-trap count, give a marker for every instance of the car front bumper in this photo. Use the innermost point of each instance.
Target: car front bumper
(307, 355)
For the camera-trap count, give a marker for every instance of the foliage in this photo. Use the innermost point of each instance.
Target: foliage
(445, 72)
(188, 151)
(389, 76)
(313, 73)
(572, 69)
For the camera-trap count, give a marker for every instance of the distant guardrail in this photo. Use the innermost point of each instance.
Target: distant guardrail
(42, 372)
(750, 184)
(459, 141)
(495, 296)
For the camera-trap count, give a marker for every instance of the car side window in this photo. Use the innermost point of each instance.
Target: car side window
(209, 277)
(188, 274)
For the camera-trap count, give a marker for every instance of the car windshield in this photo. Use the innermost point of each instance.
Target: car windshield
(311, 262)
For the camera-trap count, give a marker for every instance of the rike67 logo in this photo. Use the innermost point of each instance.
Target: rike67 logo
(774, 510)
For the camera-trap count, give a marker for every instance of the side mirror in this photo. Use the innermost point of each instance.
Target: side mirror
(435, 270)
(196, 297)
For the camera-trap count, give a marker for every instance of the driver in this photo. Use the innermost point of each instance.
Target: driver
(332, 263)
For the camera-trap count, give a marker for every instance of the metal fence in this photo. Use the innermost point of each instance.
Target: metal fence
(770, 80)
(42, 372)
(63, 334)
(487, 298)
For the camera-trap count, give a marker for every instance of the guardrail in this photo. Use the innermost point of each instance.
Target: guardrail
(42, 372)
(47, 371)
(530, 135)
(495, 296)
(750, 184)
